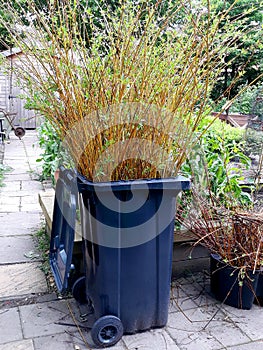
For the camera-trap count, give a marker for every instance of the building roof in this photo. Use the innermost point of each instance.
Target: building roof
(11, 52)
(235, 119)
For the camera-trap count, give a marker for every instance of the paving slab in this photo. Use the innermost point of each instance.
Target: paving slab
(151, 340)
(31, 186)
(4, 208)
(46, 319)
(12, 156)
(79, 343)
(17, 249)
(17, 167)
(19, 223)
(19, 345)
(27, 207)
(6, 200)
(180, 301)
(14, 193)
(227, 332)
(205, 299)
(17, 177)
(10, 326)
(33, 156)
(186, 329)
(192, 290)
(11, 187)
(248, 346)
(61, 341)
(21, 279)
(30, 199)
(199, 290)
(249, 321)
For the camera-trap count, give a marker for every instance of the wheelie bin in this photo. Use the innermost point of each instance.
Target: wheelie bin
(127, 232)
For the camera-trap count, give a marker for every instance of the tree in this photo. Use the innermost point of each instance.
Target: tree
(245, 58)
(20, 6)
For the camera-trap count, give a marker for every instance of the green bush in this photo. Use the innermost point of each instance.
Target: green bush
(226, 131)
(3, 169)
(213, 163)
(51, 156)
(254, 142)
(250, 101)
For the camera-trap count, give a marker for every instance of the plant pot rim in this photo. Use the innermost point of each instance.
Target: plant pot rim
(219, 258)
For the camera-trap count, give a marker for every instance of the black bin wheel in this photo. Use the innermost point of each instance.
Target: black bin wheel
(107, 331)
(20, 132)
(79, 290)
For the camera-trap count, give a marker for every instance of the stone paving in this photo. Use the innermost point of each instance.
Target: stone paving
(31, 318)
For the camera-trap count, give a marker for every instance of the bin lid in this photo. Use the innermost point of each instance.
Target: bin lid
(63, 228)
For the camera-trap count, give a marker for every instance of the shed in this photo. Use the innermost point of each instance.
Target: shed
(10, 92)
(235, 119)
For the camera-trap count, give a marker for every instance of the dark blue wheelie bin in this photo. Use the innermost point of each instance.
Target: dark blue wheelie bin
(127, 232)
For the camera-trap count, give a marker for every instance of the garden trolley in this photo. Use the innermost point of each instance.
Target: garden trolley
(127, 253)
(9, 118)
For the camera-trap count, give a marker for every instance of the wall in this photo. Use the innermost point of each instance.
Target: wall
(3, 90)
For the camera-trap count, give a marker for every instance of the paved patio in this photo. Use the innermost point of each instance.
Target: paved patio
(32, 318)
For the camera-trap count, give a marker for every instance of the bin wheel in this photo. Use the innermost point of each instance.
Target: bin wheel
(79, 290)
(107, 331)
(19, 132)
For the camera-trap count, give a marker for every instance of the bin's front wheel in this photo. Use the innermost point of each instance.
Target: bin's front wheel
(107, 331)
(19, 132)
(79, 290)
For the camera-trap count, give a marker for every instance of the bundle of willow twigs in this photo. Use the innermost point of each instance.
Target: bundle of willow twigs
(125, 87)
(235, 235)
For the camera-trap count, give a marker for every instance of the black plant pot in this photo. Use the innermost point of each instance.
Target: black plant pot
(259, 290)
(226, 287)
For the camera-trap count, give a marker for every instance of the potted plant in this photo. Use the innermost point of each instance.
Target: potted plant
(126, 86)
(234, 238)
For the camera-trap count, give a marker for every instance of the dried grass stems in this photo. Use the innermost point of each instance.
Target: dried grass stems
(235, 235)
(81, 73)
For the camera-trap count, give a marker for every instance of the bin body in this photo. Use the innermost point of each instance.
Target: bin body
(128, 255)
